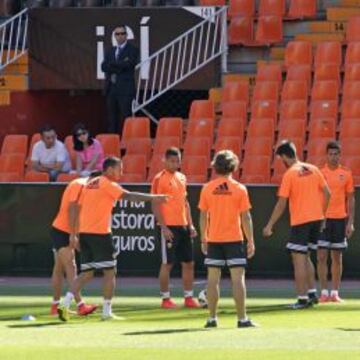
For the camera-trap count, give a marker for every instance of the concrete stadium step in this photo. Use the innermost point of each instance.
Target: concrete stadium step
(277, 53)
(14, 82)
(4, 98)
(350, 3)
(327, 26)
(316, 38)
(341, 13)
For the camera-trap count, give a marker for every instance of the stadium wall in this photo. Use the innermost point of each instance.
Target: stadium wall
(26, 213)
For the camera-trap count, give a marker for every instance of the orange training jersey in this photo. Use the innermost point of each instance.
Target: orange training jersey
(340, 183)
(96, 203)
(303, 185)
(173, 184)
(224, 199)
(71, 194)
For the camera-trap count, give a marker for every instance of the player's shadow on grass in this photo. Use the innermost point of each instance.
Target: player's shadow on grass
(163, 331)
(34, 325)
(347, 329)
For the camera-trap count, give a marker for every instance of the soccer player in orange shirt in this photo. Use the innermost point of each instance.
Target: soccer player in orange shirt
(64, 236)
(339, 222)
(225, 214)
(176, 229)
(304, 186)
(97, 247)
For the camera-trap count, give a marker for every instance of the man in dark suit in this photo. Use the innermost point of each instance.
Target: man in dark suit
(119, 68)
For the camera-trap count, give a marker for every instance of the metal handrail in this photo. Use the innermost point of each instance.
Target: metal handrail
(13, 35)
(181, 58)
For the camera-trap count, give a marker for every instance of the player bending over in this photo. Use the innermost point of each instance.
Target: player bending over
(308, 194)
(225, 211)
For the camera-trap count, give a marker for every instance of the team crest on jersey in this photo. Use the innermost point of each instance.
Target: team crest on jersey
(222, 189)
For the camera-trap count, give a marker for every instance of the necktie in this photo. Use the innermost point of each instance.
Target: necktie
(118, 52)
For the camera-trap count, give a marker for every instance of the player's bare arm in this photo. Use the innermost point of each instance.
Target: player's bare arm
(327, 195)
(137, 196)
(350, 199)
(167, 233)
(193, 232)
(247, 225)
(275, 216)
(74, 211)
(203, 222)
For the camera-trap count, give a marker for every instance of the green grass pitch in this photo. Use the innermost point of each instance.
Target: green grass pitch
(148, 333)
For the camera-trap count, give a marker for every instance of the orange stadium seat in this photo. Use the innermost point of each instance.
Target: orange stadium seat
(293, 128)
(235, 109)
(66, 178)
(229, 143)
(272, 7)
(34, 176)
(328, 52)
(231, 127)
(256, 170)
(198, 147)
(295, 90)
(202, 109)
(110, 144)
(350, 109)
(69, 144)
(299, 73)
(351, 90)
(324, 109)
(203, 128)
(34, 139)
(264, 109)
(135, 164)
(170, 127)
(269, 72)
(139, 147)
(279, 170)
(325, 90)
(132, 178)
(353, 29)
(195, 168)
(298, 53)
(135, 127)
(269, 30)
(15, 144)
(261, 128)
(241, 31)
(350, 129)
(302, 8)
(266, 90)
(235, 91)
(317, 147)
(318, 161)
(352, 72)
(212, 2)
(351, 148)
(241, 8)
(293, 109)
(164, 143)
(322, 128)
(10, 177)
(156, 165)
(259, 146)
(12, 163)
(352, 55)
(327, 72)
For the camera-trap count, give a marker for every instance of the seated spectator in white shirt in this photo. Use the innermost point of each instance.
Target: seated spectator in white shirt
(50, 155)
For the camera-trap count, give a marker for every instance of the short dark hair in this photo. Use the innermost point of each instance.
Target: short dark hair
(333, 145)
(111, 161)
(286, 148)
(122, 26)
(95, 173)
(173, 151)
(225, 162)
(46, 128)
(78, 145)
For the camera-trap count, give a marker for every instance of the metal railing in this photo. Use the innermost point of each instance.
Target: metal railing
(181, 58)
(13, 38)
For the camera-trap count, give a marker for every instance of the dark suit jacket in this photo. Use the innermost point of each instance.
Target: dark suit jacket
(124, 68)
